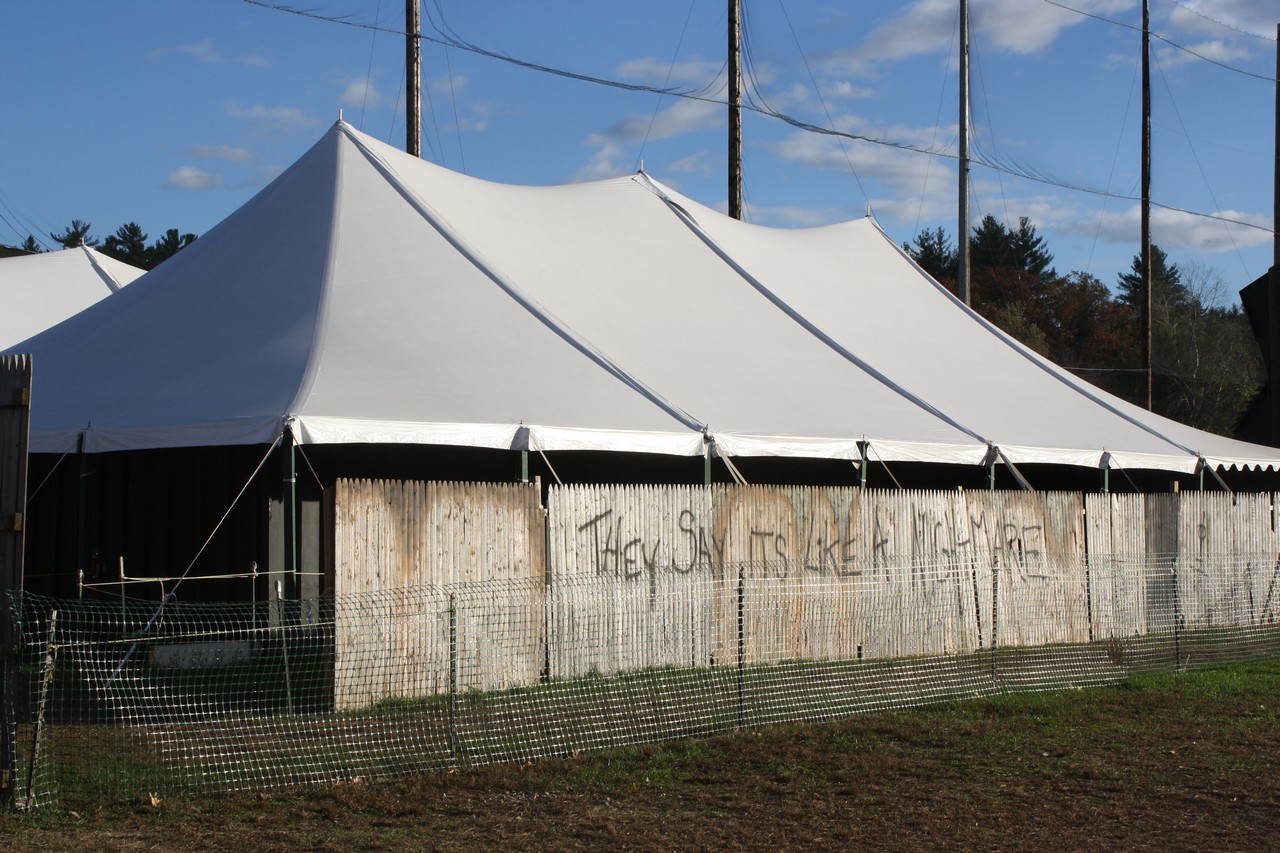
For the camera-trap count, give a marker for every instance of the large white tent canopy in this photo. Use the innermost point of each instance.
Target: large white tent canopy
(39, 291)
(368, 296)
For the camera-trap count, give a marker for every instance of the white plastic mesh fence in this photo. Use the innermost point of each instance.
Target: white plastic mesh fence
(121, 699)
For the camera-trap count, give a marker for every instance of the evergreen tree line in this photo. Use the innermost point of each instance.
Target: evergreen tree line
(1207, 366)
(128, 243)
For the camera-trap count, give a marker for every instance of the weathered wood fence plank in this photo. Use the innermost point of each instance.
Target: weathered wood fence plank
(15, 421)
(623, 578)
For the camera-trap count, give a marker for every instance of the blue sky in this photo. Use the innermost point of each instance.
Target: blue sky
(172, 114)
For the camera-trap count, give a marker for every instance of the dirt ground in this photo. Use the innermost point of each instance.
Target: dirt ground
(1184, 765)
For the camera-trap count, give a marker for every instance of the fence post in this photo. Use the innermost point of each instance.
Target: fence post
(995, 616)
(742, 644)
(15, 425)
(46, 680)
(453, 679)
(1177, 620)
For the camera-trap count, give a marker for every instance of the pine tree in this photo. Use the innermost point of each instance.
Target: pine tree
(75, 234)
(127, 244)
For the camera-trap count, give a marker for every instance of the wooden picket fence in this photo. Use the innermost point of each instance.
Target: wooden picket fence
(614, 579)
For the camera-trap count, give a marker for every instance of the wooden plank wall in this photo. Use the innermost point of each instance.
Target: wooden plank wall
(631, 577)
(407, 553)
(826, 573)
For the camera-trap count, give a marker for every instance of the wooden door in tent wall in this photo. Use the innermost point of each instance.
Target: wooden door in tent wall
(611, 579)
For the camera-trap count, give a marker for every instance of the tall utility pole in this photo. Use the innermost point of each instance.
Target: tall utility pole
(413, 77)
(735, 108)
(1273, 278)
(1147, 297)
(962, 229)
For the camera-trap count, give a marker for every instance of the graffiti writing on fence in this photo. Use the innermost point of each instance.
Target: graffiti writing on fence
(877, 545)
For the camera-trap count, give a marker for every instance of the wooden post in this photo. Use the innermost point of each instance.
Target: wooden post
(1148, 302)
(962, 232)
(15, 425)
(1273, 279)
(413, 78)
(735, 109)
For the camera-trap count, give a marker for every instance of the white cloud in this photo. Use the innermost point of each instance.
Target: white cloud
(929, 26)
(449, 85)
(902, 171)
(191, 178)
(276, 118)
(362, 92)
(657, 72)
(1178, 233)
(795, 217)
(1217, 50)
(201, 51)
(683, 116)
(843, 89)
(222, 152)
(1201, 16)
(699, 163)
(606, 162)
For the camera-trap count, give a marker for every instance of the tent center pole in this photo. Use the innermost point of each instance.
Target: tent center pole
(290, 497)
(82, 510)
(706, 464)
(524, 466)
(862, 469)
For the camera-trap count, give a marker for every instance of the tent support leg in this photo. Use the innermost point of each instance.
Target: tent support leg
(290, 496)
(82, 513)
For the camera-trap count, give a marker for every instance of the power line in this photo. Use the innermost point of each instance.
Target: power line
(1007, 167)
(1222, 24)
(1165, 39)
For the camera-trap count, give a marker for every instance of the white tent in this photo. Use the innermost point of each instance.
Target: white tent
(39, 291)
(368, 296)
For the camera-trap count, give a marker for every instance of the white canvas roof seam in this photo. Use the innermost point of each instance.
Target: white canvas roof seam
(1037, 360)
(688, 219)
(433, 217)
(319, 331)
(107, 278)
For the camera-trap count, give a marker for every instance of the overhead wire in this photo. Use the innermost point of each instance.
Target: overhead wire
(670, 68)
(1264, 77)
(1222, 24)
(1115, 158)
(1000, 162)
(373, 40)
(823, 101)
(937, 123)
(1200, 166)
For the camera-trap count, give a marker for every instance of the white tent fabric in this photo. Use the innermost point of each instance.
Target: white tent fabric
(368, 296)
(39, 291)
